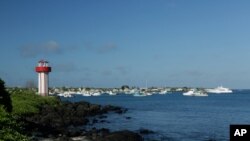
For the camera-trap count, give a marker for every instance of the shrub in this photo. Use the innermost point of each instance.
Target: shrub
(10, 130)
(27, 102)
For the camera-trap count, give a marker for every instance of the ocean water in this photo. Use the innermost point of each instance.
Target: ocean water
(175, 117)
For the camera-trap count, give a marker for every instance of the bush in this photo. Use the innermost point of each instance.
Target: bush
(26, 102)
(14, 104)
(10, 130)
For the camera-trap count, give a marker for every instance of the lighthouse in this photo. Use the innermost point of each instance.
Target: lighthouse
(43, 69)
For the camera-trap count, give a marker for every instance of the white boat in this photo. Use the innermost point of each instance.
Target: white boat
(95, 94)
(86, 94)
(189, 93)
(219, 90)
(60, 94)
(111, 93)
(163, 92)
(193, 92)
(78, 93)
(139, 94)
(67, 94)
(147, 93)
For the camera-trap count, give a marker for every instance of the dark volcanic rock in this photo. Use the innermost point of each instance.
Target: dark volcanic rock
(56, 120)
(105, 135)
(122, 136)
(146, 131)
(94, 121)
(128, 117)
(102, 116)
(115, 109)
(102, 121)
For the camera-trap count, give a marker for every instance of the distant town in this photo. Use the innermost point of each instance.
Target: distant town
(125, 89)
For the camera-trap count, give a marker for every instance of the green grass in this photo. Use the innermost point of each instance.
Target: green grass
(24, 102)
(10, 129)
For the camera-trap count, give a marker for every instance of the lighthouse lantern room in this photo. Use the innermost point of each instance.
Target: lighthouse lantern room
(43, 69)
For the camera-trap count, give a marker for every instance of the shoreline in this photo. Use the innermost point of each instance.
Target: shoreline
(68, 121)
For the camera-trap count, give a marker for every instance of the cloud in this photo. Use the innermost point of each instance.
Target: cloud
(106, 48)
(188, 73)
(107, 73)
(34, 50)
(194, 73)
(123, 70)
(64, 67)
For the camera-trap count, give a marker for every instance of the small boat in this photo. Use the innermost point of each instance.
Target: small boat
(193, 92)
(95, 94)
(189, 93)
(67, 94)
(86, 94)
(163, 92)
(138, 94)
(111, 93)
(60, 94)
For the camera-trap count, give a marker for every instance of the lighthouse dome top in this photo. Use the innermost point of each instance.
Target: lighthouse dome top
(43, 63)
(43, 66)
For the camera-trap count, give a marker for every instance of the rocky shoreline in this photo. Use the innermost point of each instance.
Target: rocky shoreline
(65, 122)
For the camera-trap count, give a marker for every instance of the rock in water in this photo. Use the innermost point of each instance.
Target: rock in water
(124, 135)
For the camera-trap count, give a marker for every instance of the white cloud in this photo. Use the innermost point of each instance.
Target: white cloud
(106, 48)
(34, 50)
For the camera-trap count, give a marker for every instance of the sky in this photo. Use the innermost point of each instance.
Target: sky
(110, 43)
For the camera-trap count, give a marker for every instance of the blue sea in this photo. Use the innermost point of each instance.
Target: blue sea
(174, 117)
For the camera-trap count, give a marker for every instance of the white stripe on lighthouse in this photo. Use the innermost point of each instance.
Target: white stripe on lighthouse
(39, 83)
(42, 83)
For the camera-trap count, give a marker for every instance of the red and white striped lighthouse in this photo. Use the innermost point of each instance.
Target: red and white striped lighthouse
(43, 70)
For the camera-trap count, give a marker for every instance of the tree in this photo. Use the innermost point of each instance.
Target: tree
(123, 87)
(87, 89)
(5, 99)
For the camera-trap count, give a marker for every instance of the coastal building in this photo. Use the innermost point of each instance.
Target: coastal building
(43, 69)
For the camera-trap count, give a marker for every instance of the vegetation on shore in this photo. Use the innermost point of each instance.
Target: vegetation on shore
(25, 116)
(15, 104)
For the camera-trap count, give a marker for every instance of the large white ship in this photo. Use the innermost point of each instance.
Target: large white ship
(219, 90)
